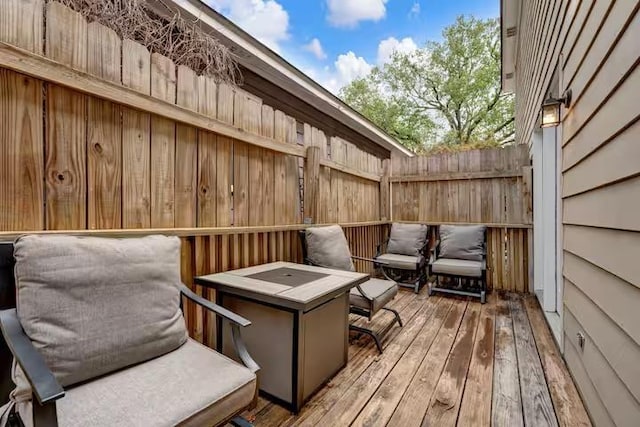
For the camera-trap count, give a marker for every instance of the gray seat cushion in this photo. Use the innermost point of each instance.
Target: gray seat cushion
(93, 305)
(457, 267)
(402, 262)
(328, 247)
(407, 239)
(462, 242)
(381, 291)
(193, 386)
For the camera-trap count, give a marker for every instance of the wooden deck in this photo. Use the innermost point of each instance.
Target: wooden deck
(455, 362)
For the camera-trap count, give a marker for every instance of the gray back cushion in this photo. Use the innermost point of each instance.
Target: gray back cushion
(93, 305)
(462, 242)
(328, 247)
(407, 239)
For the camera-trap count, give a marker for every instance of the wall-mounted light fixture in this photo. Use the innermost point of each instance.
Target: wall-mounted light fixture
(551, 109)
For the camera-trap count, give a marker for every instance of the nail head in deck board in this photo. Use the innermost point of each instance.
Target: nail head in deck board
(568, 406)
(536, 401)
(380, 407)
(475, 409)
(506, 404)
(136, 140)
(415, 402)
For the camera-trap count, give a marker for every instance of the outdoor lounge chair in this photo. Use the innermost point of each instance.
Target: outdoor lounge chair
(406, 256)
(328, 247)
(99, 339)
(461, 254)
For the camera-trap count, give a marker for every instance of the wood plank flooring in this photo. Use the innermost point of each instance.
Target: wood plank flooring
(455, 362)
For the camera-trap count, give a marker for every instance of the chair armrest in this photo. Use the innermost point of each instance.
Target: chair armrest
(375, 261)
(44, 384)
(235, 321)
(220, 311)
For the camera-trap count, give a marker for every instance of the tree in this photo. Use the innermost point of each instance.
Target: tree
(447, 92)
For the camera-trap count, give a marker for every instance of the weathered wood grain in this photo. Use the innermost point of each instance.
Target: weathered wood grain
(66, 127)
(163, 145)
(567, 404)
(507, 402)
(21, 126)
(447, 397)
(380, 407)
(186, 151)
(21, 153)
(475, 409)
(207, 156)
(536, 400)
(415, 402)
(136, 140)
(104, 133)
(347, 409)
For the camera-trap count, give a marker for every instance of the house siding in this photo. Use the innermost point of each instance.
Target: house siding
(595, 45)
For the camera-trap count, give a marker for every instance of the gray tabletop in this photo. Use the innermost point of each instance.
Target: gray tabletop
(295, 286)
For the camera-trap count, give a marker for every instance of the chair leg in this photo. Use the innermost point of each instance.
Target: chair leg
(240, 422)
(398, 319)
(370, 333)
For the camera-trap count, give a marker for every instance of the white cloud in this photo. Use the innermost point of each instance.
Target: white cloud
(388, 47)
(347, 13)
(415, 10)
(347, 68)
(315, 47)
(266, 20)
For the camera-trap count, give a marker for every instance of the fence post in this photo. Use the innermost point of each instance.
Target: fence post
(385, 191)
(311, 185)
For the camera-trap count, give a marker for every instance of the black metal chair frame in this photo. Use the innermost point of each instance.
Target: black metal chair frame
(47, 390)
(353, 309)
(482, 280)
(413, 279)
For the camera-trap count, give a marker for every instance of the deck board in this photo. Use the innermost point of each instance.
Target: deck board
(455, 362)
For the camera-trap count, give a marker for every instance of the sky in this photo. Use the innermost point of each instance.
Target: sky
(337, 41)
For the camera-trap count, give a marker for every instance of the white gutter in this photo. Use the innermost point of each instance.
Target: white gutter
(256, 57)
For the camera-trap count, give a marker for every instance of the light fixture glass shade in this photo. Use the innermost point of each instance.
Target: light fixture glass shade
(551, 114)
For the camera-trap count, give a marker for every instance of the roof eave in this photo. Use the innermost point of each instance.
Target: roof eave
(258, 58)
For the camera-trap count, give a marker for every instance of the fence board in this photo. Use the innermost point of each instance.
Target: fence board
(163, 147)
(186, 151)
(66, 114)
(207, 156)
(104, 133)
(21, 153)
(136, 140)
(21, 127)
(268, 169)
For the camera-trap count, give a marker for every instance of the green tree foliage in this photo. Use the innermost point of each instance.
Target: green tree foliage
(445, 93)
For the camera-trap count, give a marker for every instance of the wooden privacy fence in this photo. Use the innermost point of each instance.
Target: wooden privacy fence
(130, 141)
(492, 187)
(98, 136)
